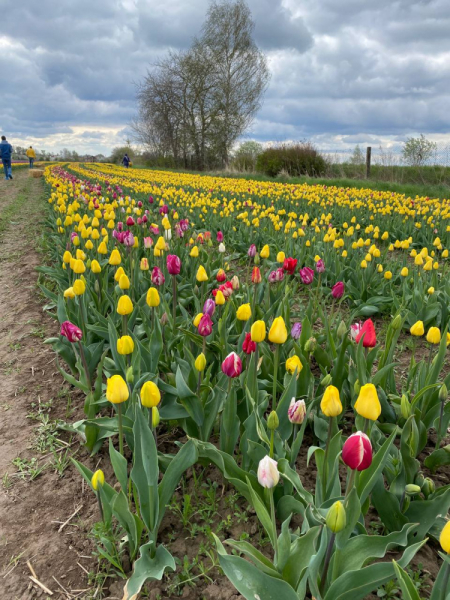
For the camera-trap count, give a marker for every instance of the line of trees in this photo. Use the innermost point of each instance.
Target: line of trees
(194, 105)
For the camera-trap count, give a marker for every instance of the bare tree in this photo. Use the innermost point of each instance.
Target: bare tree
(194, 105)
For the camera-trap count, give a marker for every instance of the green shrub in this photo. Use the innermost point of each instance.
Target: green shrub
(295, 159)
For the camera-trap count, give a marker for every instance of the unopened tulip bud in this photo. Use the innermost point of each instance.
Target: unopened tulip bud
(405, 407)
(342, 330)
(419, 479)
(164, 319)
(443, 393)
(326, 380)
(155, 417)
(428, 487)
(406, 503)
(256, 260)
(336, 517)
(397, 322)
(273, 421)
(98, 479)
(357, 387)
(310, 345)
(130, 375)
(411, 489)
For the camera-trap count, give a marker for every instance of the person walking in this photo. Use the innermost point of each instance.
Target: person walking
(126, 160)
(31, 156)
(5, 155)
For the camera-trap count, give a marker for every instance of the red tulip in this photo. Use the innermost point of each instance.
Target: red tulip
(221, 275)
(173, 264)
(368, 331)
(357, 451)
(289, 265)
(338, 289)
(130, 221)
(256, 275)
(71, 331)
(232, 365)
(248, 346)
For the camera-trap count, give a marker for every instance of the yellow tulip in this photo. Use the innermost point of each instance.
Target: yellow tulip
(194, 252)
(388, 275)
(294, 363)
(434, 335)
(417, 329)
(69, 293)
(98, 479)
(220, 298)
(444, 538)
(116, 390)
(118, 274)
(200, 362)
(79, 287)
(79, 267)
(102, 249)
(67, 256)
(265, 252)
(115, 258)
(430, 290)
(150, 395)
(258, 331)
(124, 306)
(124, 282)
(125, 345)
(281, 256)
(244, 312)
(330, 404)
(278, 332)
(95, 267)
(197, 319)
(202, 275)
(153, 299)
(404, 272)
(368, 405)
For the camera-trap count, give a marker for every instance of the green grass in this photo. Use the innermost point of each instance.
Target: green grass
(409, 189)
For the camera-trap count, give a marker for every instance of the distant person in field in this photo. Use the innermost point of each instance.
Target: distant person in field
(126, 160)
(31, 156)
(5, 155)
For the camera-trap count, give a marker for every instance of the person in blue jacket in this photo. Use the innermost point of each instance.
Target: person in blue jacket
(126, 161)
(5, 155)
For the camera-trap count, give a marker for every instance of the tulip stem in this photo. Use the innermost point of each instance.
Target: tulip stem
(366, 425)
(85, 366)
(274, 524)
(327, 562)
(325, 459)
(124, 324)
(174, 301)
(119, 415)
(441, 416)
(276, 360)
(350, 483)
(100, 507)
(294, 437)
(271, 443)
(445, 581)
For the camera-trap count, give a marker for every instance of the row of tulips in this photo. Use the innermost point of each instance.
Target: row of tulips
(246, 354)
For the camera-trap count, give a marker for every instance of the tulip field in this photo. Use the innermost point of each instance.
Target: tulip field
(291, 338)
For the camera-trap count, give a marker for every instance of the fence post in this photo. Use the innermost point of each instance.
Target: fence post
(368, 156)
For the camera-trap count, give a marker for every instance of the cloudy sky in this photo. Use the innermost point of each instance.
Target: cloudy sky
(342, 71)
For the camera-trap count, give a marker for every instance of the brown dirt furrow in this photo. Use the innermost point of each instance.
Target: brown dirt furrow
(32, 392)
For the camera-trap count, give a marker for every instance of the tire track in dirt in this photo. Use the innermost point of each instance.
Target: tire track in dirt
(32, 397)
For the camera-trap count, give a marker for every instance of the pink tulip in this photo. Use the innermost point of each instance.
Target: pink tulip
(148, 242)
(219, 236)
(320, 266)
(157, 276)
(357, 451)
(252, 251)
(232, 365)
(71, 331)
(307, 275)
(338, 289)
(173, 264)
(268, 475)
(128, 239)
(297, 411)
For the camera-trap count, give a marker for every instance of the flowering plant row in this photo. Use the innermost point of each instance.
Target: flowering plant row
(174, 306)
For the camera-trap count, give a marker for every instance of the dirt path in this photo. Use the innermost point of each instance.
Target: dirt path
(34, 503)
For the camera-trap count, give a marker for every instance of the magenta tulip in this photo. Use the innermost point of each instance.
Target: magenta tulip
(306, 275)
(173, 264)
(338, 289)
(71, 331)
(205, 326)
(157, 276)
(232, 365)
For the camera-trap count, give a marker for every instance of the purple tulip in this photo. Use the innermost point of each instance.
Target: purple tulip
(296, 331)
(209, 307)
